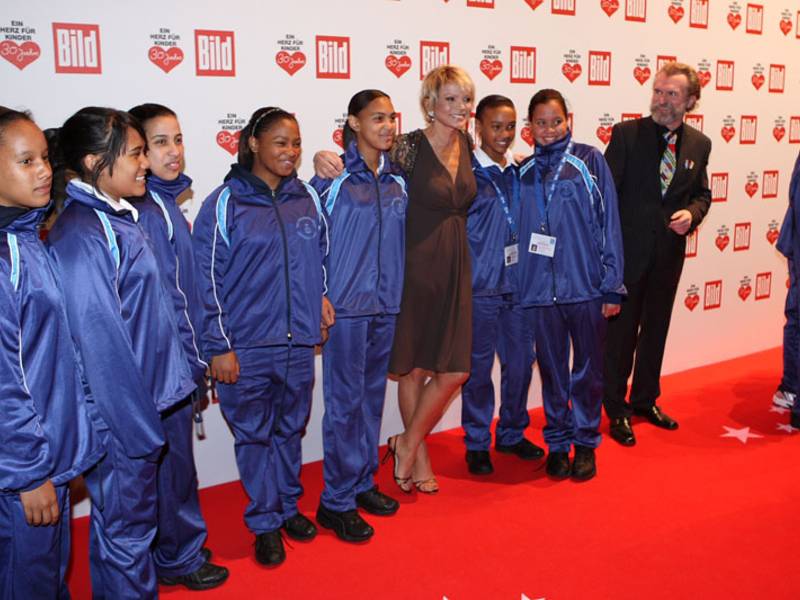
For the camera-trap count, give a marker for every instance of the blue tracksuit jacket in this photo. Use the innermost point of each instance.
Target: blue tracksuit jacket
(121, 317)
(582, 215)
(367, 251)
(259, 266)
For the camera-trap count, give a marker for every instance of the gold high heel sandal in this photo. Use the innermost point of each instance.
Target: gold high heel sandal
(391, 450)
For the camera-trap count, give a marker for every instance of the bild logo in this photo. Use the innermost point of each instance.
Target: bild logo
(698, 14)
(599, 68)
(763, 285)
(691, 244)
(563, 7)
(523, 64)
(77, 48)
(725, 75)
(215, 53)
(794, 130)
(777, 78)
(755, 19)
(719, 187)
(747, 129)
(695, 121)
(769, 184)
(333, 57)
(713, 295)
(636, 10)
(432, 55)
(741, 236)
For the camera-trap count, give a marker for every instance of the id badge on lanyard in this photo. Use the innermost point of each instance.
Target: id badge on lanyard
(541, 243)
(510, 251)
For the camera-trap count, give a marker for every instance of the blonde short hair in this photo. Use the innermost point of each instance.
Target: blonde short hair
(436, 79)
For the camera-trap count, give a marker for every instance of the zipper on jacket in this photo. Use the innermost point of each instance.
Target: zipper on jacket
(380, 238)
(285, 267)
(552, 260)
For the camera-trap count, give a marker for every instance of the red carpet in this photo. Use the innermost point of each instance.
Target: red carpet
(684, 514)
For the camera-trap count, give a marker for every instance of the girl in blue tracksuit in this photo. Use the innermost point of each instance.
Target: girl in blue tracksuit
(570, 279)
(259, 245)
(365, 208)
(124, 324)
(46, 435)
(181, 528)
(498, 322)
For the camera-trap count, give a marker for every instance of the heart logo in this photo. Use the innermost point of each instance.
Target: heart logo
(675, 13)
(751, 187)
(609, 6)
(744, 291)
(641, 74)
(571, 71)
(691, 301)
(722, 242)
(728, 132)
(165, 59)
(604, 133)
(704, 77)
(527, 135)
(772, 236)
(338, 137)
(291, 63)
(534, 4)
(779, 131)
(229, 141)
(398, 65)
(734, 20)
(20, 55)
(758, 80)
(491, 68)
(786, 26)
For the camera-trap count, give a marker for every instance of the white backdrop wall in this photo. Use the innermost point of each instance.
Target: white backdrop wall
(214, 63)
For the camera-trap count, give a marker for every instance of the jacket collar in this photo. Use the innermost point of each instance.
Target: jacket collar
(171, 189)
(19, 220)
(482, 160)
(354, 162)
(83, 193)
(247, 184)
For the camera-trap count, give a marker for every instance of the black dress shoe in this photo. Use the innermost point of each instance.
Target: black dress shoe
(377, 503)
(269, 548)
(558, 465)
(794, 420)
(205, 553)
(524, 448)
(479, 463)
(205, 578)
(656, 417)
(583, 467)
(300, 528)
(622, 432)
(347, 525)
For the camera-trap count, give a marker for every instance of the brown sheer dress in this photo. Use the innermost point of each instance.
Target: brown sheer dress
(434, 327)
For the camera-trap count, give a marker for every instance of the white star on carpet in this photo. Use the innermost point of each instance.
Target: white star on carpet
(786, 427)
(778, 409)
(742, 434)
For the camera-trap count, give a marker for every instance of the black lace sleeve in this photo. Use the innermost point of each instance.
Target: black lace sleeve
(405, 150)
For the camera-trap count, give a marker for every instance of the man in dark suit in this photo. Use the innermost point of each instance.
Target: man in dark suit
(659, 167)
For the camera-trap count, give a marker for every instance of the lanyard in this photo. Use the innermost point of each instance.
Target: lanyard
(543, 204)
(504, 203)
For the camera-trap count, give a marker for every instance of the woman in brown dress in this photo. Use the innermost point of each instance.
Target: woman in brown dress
(433, 336)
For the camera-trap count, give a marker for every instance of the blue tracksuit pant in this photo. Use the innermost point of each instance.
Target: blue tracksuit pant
(498, 325)
(555, 328)
(33, 560)
(355, 363)
(791, 336)
(181, 528)
(267, 410)
(122, 525)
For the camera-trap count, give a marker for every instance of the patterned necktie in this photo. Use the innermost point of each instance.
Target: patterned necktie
(667, 169)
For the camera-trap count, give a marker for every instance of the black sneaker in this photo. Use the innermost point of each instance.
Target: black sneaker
(347, 525)
(205, 578)
(558, 465)
(300, 528)
(269, 548)
(524, 448)
(377, 503)
(479, 463)
(583, 467)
